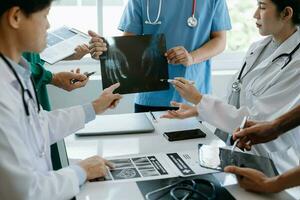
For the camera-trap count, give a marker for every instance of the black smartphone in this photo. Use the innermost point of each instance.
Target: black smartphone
(184, 134)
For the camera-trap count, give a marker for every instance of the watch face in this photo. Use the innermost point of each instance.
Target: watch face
(192, 22)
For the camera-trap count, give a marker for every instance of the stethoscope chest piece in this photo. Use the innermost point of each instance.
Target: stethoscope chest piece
(236, 86)
(192, 22)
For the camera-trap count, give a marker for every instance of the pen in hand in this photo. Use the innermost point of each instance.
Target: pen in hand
(88, 74)
(170, 81)
(242, 126)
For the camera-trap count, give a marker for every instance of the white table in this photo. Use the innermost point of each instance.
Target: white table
(118, 145)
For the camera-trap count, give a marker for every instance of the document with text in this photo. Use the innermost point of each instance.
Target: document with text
(61, 43)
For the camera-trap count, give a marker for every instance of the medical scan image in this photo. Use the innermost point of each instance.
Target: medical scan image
(136, 62)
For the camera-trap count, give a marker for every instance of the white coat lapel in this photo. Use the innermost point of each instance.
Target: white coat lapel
(286, 47)
(256, 51)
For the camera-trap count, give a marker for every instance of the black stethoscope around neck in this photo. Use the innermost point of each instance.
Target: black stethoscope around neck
(24, 91)
(236, 85)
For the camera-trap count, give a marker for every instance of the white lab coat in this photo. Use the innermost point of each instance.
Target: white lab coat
(277, 91)
(25, 172)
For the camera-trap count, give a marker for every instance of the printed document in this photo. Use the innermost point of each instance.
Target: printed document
(61, 44)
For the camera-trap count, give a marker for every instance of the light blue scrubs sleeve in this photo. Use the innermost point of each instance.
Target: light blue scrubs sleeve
(81, 174)
(221, 19)
(132, 19)
(89, 112)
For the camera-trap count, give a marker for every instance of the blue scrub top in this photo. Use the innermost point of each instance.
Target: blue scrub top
(212, 16)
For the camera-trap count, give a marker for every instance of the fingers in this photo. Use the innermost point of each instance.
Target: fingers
(245, 172)
(109, 164)
(93, 34)
(97, 45)
(113, 87)
(168, 115)
(175, 104)
(182, 80)
(78, 76)
(175, 54)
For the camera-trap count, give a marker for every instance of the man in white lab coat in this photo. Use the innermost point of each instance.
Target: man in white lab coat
(26, 131)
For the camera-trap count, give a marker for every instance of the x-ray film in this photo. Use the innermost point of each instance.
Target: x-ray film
(136, 62)
(213, 157)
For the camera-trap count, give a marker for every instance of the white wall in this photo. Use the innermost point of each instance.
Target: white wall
(224, 66)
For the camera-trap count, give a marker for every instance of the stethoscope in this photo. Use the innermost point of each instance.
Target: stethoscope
(236, 85)
(24, 91)
(191, 21)
(43, 150)
(183, 190)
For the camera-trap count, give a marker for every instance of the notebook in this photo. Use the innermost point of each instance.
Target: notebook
(117, 125)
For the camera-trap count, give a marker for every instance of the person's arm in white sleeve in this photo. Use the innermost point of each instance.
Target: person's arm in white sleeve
(64, 122)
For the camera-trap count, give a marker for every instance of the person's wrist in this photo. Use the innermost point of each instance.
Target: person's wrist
(276, 124)
(197, 99)
(274, 184)
(193, 58)
(97, 108)
(54, 79)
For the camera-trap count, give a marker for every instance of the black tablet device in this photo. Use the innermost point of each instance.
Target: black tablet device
(213, 157)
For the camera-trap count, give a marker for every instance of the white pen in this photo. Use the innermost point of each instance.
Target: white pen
(242, 126)
(171, 80)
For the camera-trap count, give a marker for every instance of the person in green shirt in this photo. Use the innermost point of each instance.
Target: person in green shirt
(41, 77)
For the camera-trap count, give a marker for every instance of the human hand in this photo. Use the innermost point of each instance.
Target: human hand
(116, 65)
(64, 80)
(80, 51)
(97, 45)
(95, 167)
(255, 133)
(179, 55)
(107, 99)
(254, 180)
(183, 112)
(187, 90)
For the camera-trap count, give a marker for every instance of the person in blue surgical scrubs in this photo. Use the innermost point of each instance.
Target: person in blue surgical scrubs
(195, 31)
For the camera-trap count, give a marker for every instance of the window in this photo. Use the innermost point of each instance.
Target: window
(105, 15)
(244, 30)
(79, 14)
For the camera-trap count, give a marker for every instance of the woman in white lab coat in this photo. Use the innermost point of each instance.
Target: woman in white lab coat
(26, 131)
(267, 86)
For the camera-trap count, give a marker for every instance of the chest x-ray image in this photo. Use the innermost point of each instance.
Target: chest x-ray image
(136, 62)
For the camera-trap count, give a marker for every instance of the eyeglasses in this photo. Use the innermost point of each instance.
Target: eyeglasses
(185, 189)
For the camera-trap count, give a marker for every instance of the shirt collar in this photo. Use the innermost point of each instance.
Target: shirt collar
(22, 68)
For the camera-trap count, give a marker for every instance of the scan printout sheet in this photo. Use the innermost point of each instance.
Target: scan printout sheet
(155, 166)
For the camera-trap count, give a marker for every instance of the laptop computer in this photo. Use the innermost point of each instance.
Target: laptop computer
(117, 125)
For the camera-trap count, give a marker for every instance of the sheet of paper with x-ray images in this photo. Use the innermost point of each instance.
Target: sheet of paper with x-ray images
(155, 166)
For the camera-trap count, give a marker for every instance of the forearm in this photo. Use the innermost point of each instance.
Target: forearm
(210, 49)
(288, 179)
(220, 114)
(288, 121)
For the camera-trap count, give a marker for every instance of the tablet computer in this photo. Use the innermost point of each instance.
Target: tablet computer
(213, 157)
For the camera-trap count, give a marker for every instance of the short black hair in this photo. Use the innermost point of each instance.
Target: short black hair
(294, 4)
(27, 6)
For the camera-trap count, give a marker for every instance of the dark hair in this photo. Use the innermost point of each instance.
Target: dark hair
(294, 4)
(27, 6)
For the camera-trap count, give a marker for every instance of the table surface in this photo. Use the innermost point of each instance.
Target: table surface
(146, 143)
